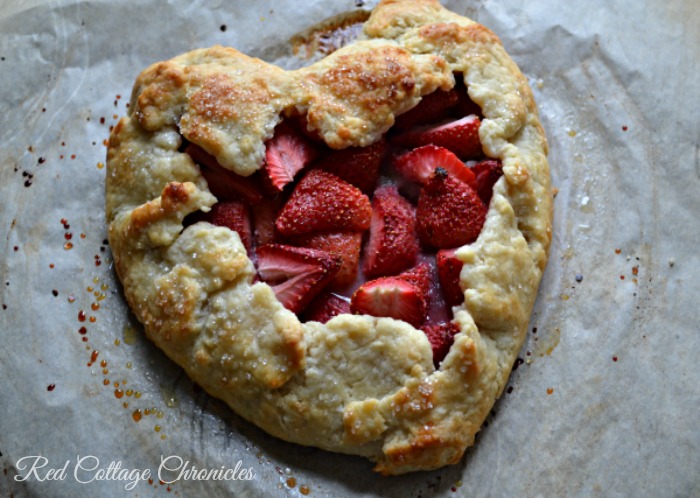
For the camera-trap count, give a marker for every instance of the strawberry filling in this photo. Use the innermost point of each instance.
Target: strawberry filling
(345, 245)
(287, 153)
(329, 241)
(393, 242)
(450, 213)
(223, 183)
(322, 201)
(420, 163)
(296, 274)
(460, 136)
(325, 307)
(449, 268)
(393, 297)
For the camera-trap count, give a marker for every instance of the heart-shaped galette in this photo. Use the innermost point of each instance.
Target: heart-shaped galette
(347, 254)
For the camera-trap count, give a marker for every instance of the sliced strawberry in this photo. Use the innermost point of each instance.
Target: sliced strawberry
(450, 213)
(433, 107)
(441, 337)
(323, 202)
(391, 297)
(393, 241)
(296, 274)
(325, 307)
(487, 174)
(264, 216)
(449, 269)
(461, 137)
(286, 153)
(225, 184)
(358, 166)
(420, 276)
(346, 245)
(418, 164)
(234, 216)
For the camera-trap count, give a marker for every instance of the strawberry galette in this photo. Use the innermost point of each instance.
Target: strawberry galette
(348, 253)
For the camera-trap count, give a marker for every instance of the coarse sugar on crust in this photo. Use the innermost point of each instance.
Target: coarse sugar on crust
(356, 384)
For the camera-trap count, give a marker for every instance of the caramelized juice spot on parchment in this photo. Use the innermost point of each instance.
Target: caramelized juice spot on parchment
(329, 35)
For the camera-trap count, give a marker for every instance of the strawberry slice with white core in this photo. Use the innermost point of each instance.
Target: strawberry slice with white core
(296, 274)
(390, 297)
(393, 240)
(420, 276)
(344, 244)
(418, 164)
(287, 153)
(461, 137)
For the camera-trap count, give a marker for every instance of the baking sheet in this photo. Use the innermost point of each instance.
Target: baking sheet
(605, 400)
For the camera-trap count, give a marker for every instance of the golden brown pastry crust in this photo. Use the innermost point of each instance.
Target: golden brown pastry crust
(358, 384)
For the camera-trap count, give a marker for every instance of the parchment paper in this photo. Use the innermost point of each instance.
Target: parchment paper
(605, 402)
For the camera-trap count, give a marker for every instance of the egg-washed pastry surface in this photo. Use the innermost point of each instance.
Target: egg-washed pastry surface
(347, 254)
